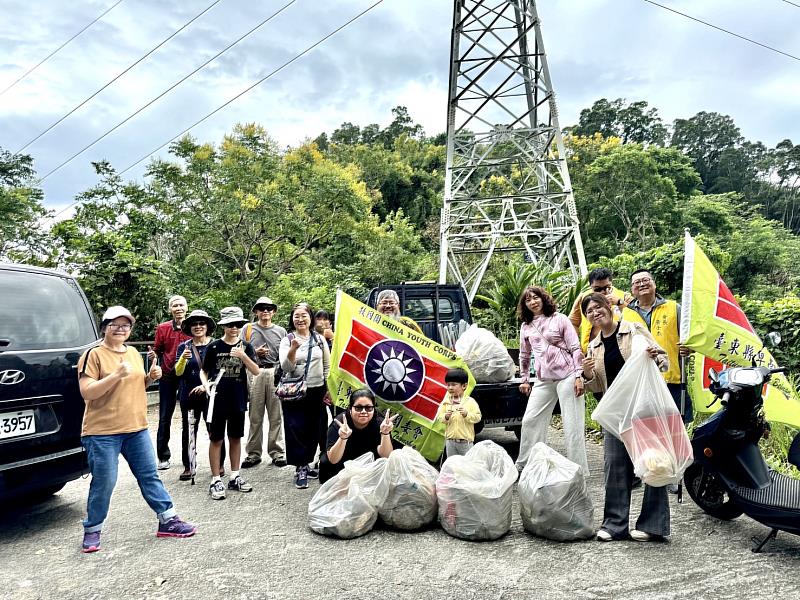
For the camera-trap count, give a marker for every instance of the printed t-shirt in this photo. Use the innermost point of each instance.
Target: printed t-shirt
(232, 387)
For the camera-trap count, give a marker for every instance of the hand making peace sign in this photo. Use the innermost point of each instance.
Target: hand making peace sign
(344, 429)
(387, 424)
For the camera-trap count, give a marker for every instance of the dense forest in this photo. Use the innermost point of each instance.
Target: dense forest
(225, 221)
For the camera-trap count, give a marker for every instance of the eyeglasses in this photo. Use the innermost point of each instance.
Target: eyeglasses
(120, 326)
(198, 325)
(642, 281)
(267, 308)
(363, 408)
(387, 303)
(601, 290)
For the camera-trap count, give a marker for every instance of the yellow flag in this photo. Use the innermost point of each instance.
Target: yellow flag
(715, 327)
(404, 369)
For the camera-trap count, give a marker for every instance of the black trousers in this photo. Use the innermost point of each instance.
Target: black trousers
(302, 421)
(167, 398)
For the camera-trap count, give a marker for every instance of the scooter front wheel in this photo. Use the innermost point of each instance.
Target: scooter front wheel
(707, 492)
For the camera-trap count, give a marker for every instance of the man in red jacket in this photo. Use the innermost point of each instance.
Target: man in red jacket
(168, 337)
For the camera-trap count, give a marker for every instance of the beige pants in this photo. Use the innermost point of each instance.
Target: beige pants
(262, 397)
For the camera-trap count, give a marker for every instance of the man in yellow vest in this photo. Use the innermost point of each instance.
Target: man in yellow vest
(600, 282)
(662, 318)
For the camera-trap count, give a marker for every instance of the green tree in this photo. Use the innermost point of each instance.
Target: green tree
(22, 237)
(633, 122)
(705, 137)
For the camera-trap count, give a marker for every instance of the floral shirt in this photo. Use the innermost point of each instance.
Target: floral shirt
(555, 347)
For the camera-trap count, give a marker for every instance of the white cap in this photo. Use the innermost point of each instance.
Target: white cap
(115, 312)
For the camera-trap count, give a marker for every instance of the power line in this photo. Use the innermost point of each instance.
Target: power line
(165, 92)
(192, 20)
(49, 56)
(747, 39)
(792, 3)
(257, 83)
(239, 95)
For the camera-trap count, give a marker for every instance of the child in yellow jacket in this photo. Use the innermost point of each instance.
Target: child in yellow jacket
(459, 413)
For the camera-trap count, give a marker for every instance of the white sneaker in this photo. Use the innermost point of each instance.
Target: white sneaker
(217, 490)
(603, 536)
(641, 536)
(163, 465)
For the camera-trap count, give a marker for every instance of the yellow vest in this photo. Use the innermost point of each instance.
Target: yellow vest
(626, 314)
(664, 327)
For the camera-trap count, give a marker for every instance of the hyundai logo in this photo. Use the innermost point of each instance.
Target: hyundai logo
(11, 376)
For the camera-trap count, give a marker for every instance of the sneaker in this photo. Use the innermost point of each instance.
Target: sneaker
(301, 478)
(163, 465)
(239, 484)
(603, 536)
(91, 542)
(313, 471)
(175, 527)
(217, 490)
(643, 536)
(279, 462)
(250, 462)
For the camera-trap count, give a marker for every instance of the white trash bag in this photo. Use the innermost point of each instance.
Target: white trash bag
(639, 410)
(485, 355)
(346, 506)
(475, 493)
(411, 497)
(554, 500)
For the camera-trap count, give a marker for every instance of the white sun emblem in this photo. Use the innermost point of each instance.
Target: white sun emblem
(393, 370)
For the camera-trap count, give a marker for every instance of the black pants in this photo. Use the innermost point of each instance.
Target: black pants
(301, 422)
(167, 398)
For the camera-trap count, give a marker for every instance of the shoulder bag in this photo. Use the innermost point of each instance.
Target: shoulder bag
(293, 388)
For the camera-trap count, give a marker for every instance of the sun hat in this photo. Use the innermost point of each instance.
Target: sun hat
(265, 302)
(230, 315)
(194, 317)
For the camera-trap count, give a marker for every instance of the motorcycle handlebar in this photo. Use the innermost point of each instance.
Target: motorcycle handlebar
(779, 370)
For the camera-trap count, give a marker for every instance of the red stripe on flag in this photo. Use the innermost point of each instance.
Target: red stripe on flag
(353, 366)
(366, 334)
(434, 370)
(422, 406)
(433, 390)
(728, 309)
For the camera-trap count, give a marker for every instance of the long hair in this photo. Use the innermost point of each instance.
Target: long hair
(525, 314)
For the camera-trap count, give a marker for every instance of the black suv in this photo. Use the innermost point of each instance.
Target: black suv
(45, 326)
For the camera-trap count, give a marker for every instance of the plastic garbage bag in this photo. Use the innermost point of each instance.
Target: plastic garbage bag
(411, 496)
(639, 410)
(485, 355)
(475, 493)
(554, 500)
(346, 506)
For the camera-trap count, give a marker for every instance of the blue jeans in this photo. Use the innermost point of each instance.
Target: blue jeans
(137, 449)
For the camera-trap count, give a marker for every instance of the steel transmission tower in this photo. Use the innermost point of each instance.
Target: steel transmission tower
(507, 188)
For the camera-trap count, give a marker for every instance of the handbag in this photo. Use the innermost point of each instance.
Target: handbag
(293, 388)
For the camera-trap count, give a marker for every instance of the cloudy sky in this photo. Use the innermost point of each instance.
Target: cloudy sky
(397, 54)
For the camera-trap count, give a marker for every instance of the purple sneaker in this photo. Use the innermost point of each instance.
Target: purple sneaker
(176, 528)
(91, 542)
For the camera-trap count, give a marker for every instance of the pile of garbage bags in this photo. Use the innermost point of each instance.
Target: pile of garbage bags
(475, 493)
(485, 355)
(400, 489)
(553, 497)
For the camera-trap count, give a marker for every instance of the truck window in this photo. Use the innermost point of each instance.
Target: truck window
(41, 311)
(421, 309)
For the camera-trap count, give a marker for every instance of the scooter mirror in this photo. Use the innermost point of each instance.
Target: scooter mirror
(713, 375)
(774, 338)
(794, 452)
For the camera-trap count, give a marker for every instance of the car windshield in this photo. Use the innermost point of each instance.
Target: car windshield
(40, 311)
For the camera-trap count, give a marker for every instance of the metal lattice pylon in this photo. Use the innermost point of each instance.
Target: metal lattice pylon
(507, 188)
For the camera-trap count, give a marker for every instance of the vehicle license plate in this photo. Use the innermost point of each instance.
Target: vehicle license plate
(16, 424)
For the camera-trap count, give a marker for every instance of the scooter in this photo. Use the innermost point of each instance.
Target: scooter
(730, 476)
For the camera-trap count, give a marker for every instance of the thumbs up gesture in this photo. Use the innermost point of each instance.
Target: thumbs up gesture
(123, 369)
(151, 354)
(155, 371)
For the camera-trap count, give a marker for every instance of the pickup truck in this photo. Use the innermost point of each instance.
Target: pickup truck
(436, 307)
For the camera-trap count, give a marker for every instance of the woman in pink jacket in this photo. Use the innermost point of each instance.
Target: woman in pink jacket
(549, 336)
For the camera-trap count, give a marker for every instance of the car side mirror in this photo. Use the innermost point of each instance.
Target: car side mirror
(713, 375)
(774, 338)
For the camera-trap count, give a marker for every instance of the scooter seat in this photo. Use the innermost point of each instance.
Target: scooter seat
(784, 492)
